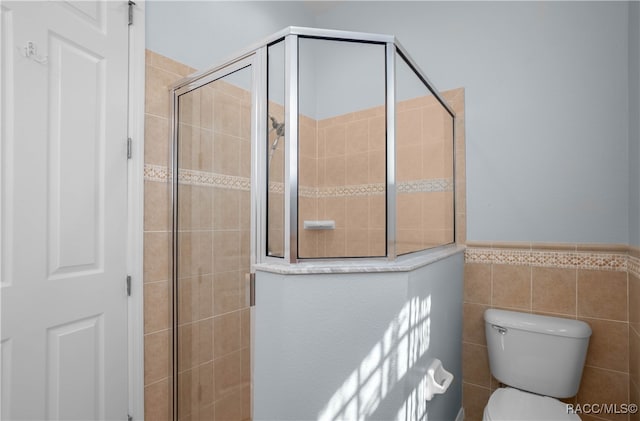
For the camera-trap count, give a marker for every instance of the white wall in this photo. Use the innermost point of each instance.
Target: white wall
(547, 104)
(546, 108)
(202, 34)
(356, 346)
(634, 123)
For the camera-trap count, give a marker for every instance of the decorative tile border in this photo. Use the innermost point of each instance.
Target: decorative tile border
(633, 266)
(557, 259)
(201, 178)
(158, 173)
(197, 178)
(422, 186)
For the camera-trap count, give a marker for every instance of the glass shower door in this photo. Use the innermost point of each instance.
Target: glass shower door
(212, 248)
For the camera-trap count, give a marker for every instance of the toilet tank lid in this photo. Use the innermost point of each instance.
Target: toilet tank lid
(535, 323)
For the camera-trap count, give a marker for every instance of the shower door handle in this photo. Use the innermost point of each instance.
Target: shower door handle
(251, 278)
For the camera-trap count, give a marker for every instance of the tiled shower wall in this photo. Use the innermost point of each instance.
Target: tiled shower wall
(595, 283)
(343, 171)
(214, 363)
(213, 374)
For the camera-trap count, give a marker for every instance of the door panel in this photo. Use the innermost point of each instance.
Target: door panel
(213, 248)
(64, 210)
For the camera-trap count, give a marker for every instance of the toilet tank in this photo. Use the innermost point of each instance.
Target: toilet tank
(539, 354)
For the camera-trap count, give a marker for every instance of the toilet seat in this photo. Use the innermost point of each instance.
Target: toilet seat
(508, 404)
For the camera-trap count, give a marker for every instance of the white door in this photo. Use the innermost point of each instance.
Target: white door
(64, 210)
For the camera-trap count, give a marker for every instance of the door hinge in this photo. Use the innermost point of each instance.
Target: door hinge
(129, 417)
(131, 4)
(129, 285)
(129, 147)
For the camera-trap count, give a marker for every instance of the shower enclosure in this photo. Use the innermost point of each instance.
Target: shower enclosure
(311, 147)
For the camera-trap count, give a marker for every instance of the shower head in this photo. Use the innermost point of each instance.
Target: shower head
(278, 127)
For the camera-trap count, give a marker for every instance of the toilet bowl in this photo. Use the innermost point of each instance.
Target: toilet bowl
(538, 359)
(508, 404)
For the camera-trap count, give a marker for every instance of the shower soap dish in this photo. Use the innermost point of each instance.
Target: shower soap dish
(438, 379)
(320, 225)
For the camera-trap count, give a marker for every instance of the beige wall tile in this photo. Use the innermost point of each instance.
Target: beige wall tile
(229, 408)
(205, 340)
(157, 82)
(634, 397)
(634, 356)
(554, 290)
(608, 345)
(226, 292)
(156, 305)
(205, 389)
(474, 400)
(156, 140)
(335, 208)
(227, 334)
(226, 114)
(408, 127)
(187, 300)
(357, 168)
(409, 211)
(226, 154)
(245, 366)
(335, 171)
(156, 401)
(170, 65)
(602, 294)
(475, 364)
(599, 385)
(357, 136)
(511, 286)
(477, 283)
(227, 373)
(473, 323)
(226, 251)
(188, 347)
(246, 404)
(377, 166)
(156, 256)
(156, 356)
(634, 302)
(409, 163)
(357, 243)
(335, 141)
(245, 326)
(357, 212)
(377, 133)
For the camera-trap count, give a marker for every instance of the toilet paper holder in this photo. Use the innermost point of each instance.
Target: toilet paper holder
(437, 379)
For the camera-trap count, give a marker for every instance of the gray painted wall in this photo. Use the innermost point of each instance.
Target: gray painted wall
(546, 108)
(356, 346)
(547, 102)
(634, 124)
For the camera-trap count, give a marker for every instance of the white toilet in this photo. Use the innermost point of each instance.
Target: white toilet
(539, 358)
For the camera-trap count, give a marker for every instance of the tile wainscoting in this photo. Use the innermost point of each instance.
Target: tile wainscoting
(599, 284)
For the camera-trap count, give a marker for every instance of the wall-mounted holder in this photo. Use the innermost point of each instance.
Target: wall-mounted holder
(437, 379)
(30, 51)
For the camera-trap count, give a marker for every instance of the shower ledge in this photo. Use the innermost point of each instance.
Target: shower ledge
(402, 264)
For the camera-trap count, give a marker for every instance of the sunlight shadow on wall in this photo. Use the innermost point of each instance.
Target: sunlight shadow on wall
(383, 369)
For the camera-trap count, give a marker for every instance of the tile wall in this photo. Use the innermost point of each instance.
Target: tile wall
(342, 176)
(594, 283)
(213, 235)
(634, 328)
(213, 318)
(160, 74)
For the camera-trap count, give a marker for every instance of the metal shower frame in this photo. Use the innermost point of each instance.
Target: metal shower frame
(255, 56)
